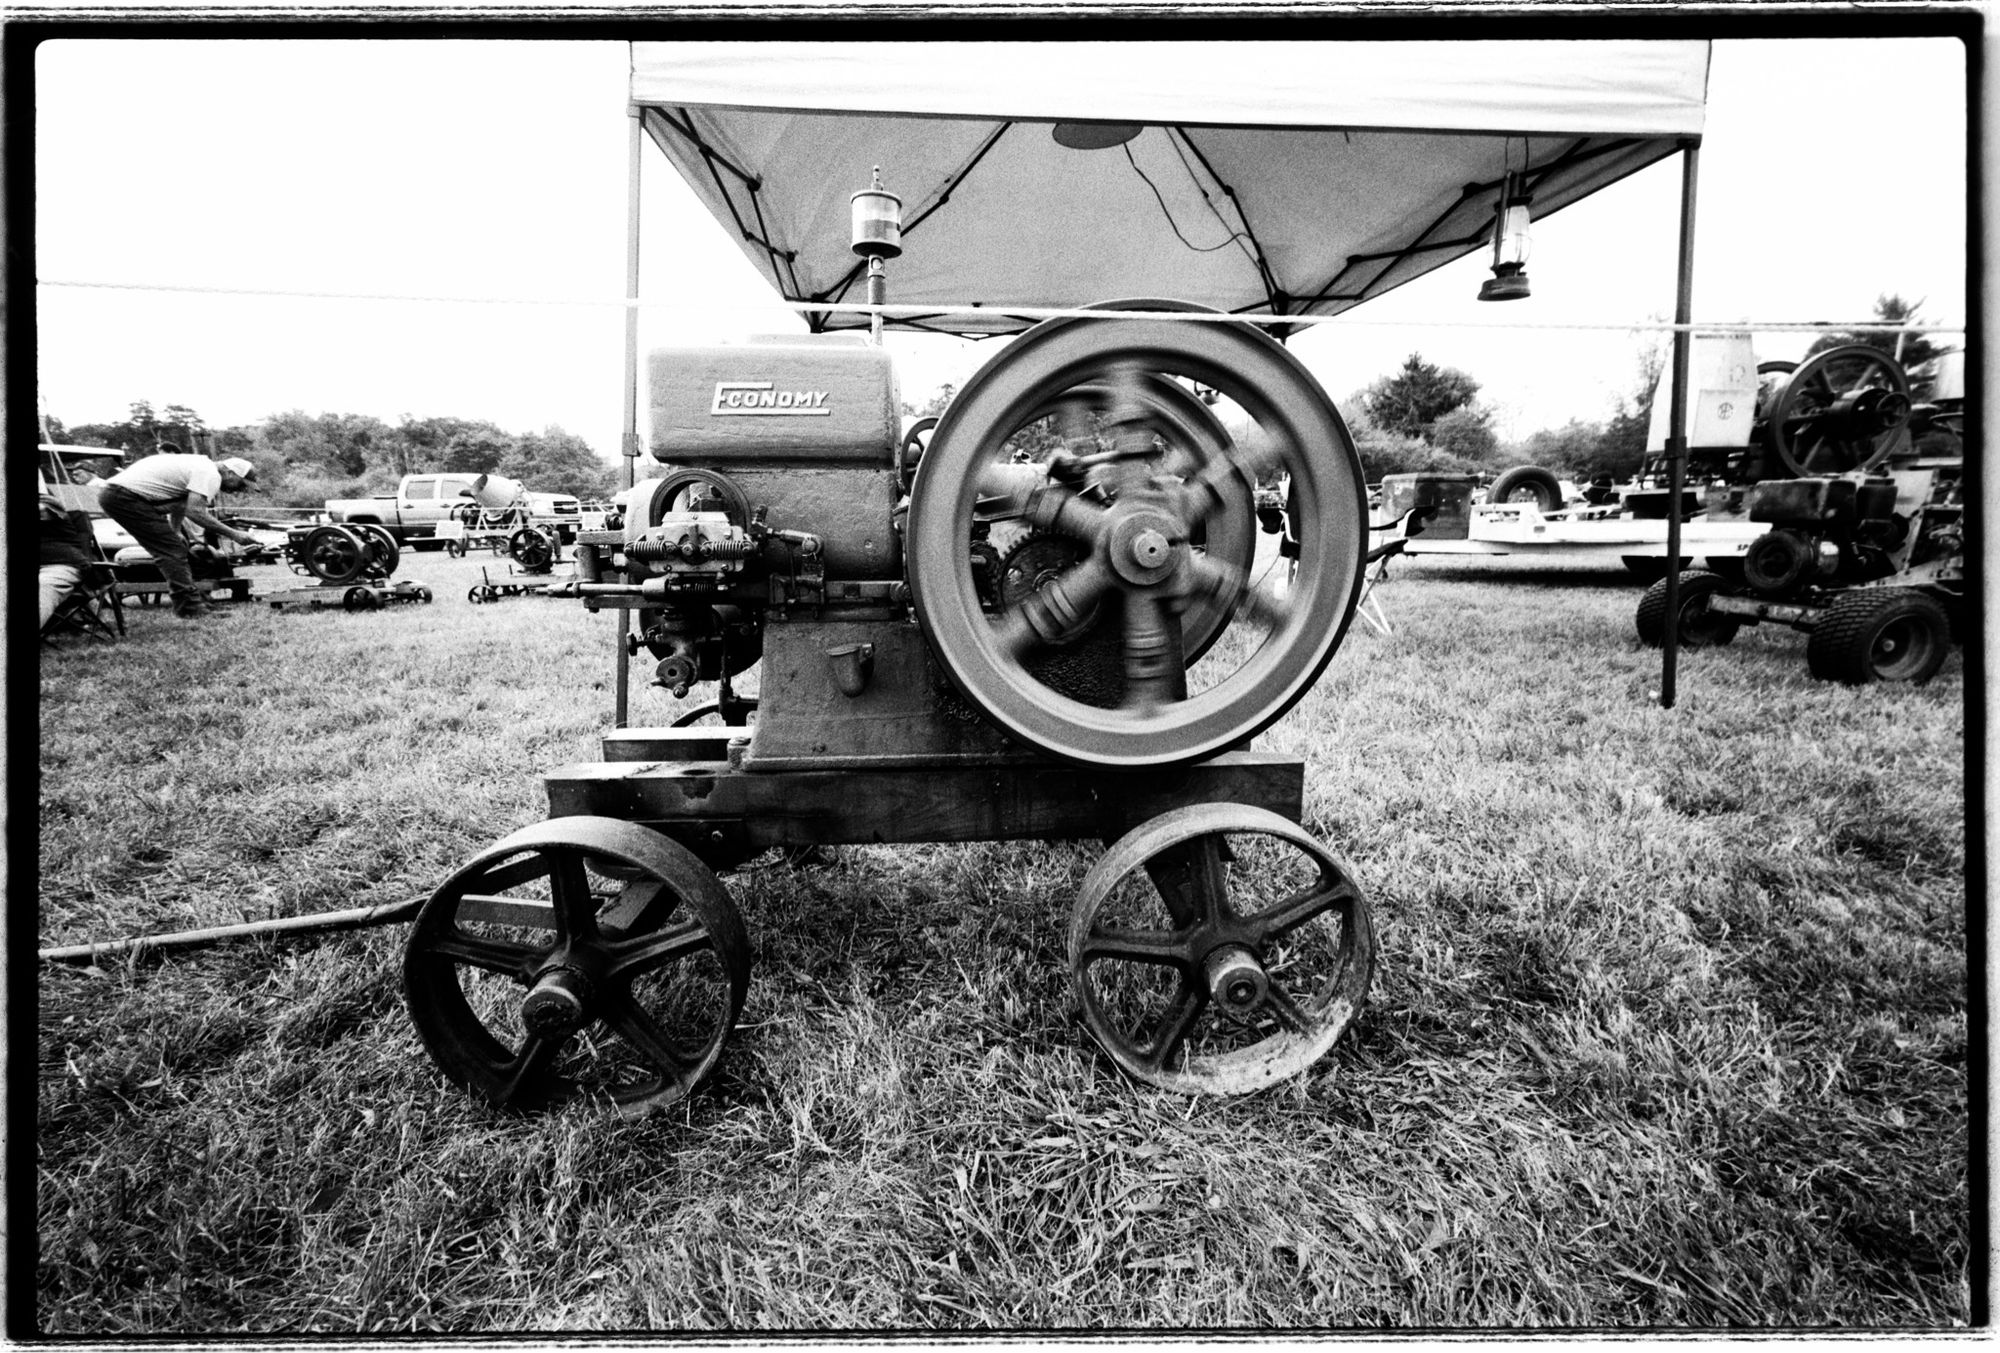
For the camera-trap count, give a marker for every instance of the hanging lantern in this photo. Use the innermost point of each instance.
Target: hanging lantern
(1093, 135)
(1510, 243)
(878, 221)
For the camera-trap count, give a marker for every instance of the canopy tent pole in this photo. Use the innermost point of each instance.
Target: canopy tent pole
(621, 660)
(1677, 422)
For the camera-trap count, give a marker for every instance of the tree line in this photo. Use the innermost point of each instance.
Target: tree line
(304, 459)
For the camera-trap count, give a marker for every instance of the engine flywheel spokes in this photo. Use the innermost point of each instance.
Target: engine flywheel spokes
(1141, 638)
(578, 956)
(531, 549)
(1219, 948)
(1844, 409)
(334, 554)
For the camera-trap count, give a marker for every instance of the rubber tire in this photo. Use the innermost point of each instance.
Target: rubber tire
(1542, 484)
(1842, 645)
(1696, 630)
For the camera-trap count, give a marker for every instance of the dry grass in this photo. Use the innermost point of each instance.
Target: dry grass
(1669, 1025)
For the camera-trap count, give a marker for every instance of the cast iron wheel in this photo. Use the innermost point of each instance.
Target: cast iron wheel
(1219, 948)
(1136, 523)
(454, 549)
(1699, 627)
(424, 595)
(531, 549)
(472, 595)
(579, 956)
(1528, 484)
(1879, 634)
(334, 554)
(1847, 408)
(383, 551)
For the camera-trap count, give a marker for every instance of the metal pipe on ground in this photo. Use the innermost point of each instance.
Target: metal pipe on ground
(356, 918)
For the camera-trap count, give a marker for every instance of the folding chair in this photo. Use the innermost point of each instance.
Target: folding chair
(1375, 565)
(85, 610)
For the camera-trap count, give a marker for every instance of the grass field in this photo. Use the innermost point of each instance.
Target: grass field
(1668, 1026)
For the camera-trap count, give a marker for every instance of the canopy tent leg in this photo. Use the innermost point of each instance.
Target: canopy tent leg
(1677, 423)
(621, 661)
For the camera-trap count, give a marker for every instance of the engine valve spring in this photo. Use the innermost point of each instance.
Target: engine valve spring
(697, 549)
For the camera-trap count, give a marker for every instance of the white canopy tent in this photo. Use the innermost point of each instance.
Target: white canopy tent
(1319, 175)
(1338, 171)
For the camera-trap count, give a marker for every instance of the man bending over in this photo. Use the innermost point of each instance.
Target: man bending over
(153, 496)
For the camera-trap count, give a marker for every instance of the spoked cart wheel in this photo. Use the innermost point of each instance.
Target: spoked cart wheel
(1220, 949)
(582, 956)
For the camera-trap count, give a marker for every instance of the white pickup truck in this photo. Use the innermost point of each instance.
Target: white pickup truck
(422, 501)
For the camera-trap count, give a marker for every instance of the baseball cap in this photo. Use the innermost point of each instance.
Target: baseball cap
(239, 467)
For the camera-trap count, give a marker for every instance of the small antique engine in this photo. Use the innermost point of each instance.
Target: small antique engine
(980, 638)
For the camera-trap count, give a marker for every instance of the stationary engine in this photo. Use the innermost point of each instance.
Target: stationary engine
(1076, 536)
(972, 638)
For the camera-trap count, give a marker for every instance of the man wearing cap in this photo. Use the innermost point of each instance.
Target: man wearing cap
(153, 496)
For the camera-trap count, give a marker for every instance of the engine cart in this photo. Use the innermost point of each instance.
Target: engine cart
(352, 564)
(1040, 623)
(957, 645)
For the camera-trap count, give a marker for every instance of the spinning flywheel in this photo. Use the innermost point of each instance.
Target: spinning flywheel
(1131, 633)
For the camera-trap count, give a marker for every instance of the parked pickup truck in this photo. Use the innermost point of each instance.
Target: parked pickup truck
(412, 513)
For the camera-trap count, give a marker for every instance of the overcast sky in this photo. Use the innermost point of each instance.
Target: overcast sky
(1831, 170)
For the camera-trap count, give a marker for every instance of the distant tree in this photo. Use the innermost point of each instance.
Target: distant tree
(1415, 397)
(1622, 448)
(183, 427)
(1575, 449)
(332, 443)
(555, 461)
(476, 448)
(178, 428)
(1465, 433)
(1384, 452)
(143, 422)
(1889, 309)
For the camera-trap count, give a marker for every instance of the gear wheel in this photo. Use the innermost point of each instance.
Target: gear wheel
(1031, 566)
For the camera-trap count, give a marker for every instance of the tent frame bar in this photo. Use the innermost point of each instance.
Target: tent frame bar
(634, 146)
(712, 158)
(1677, 445)
(1276, 293)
